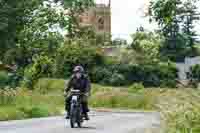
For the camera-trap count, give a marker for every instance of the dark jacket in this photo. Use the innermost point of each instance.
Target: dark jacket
(82, 84)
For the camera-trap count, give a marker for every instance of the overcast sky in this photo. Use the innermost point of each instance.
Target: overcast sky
(127, 15)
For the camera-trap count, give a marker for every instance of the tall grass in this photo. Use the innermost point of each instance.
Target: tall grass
(180, 108)
(121, 98)
(7, 96)
(29, 104)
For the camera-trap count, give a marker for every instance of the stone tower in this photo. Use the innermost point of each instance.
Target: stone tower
(99, 17)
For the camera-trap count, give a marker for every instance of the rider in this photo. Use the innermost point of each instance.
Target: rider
(78, 81)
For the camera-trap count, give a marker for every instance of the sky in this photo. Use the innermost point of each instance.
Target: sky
(128, 15)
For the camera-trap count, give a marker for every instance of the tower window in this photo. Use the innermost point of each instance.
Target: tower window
(101, 23)
(81, 20)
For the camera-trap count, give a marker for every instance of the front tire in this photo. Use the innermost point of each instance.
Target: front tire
(79, 118)
(72, 117)
(79, 124)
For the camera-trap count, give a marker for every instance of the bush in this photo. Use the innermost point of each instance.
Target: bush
(135, 88)
(117, 79)
(100, 75)
(4, 79)
(71, 55)
(178, 55)
(151, 75)
(43, 66)
(194, 75)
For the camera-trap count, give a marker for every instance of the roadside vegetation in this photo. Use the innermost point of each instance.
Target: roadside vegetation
(179, 108)
(23, 104)
(36, 59)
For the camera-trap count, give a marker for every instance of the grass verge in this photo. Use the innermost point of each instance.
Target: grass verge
(180, 108)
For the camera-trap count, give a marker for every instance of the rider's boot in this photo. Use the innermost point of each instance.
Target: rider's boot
(86, 116)
(67, 116)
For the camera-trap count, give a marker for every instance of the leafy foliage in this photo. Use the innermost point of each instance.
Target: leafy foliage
(147, 44)
(176, 21)
(70, 55)
(42, 66)
(74, 9)
(4, 79)
(161, 74)
(136, 87)
(119, 42)
(194, 75)
(191, 15)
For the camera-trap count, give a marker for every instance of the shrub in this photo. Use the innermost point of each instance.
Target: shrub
(194, 75)
(100, 75)
(4, 79)
(135, 87)
(71, 55)
(159, 74)
(117, 79)
(167, 74)
(43, 66)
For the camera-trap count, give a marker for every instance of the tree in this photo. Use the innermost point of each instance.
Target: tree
(167, 13)
(119, 42)
(190, 16)
(147, 44)
(32, 30)
(176, 21)
(103, 39)
(7, 25)
(74, 9)
(13, 16)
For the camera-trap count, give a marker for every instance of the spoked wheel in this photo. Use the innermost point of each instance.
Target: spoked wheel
(72, 118)
(79, 124)
(72, 121)
(79, 120)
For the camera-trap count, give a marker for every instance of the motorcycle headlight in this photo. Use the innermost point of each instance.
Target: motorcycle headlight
(74, 98)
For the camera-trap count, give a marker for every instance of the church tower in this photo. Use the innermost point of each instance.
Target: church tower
(99, 17)
(103, 18)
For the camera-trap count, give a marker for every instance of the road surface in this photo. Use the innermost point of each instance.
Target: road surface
(101, 122)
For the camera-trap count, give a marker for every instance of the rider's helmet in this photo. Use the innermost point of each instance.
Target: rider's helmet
(78, 69)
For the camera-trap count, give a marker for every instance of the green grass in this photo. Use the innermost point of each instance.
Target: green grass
(180, 108)
(121, 99)
(31, 104)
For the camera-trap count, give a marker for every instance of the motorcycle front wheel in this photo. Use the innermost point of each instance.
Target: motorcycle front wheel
(72, 117)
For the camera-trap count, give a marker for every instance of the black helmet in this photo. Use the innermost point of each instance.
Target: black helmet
(78, 69)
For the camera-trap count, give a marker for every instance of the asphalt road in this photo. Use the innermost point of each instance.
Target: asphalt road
(101, 122)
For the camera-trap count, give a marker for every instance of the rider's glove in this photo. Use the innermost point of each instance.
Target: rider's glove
(65, 94)
(87, 94)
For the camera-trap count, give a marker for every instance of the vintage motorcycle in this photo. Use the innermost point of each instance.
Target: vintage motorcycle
(76, 110)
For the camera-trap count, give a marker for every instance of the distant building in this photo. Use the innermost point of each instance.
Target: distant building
(99, 17)
(184, 67)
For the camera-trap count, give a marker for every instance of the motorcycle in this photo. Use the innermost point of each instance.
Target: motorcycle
(76, 112)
